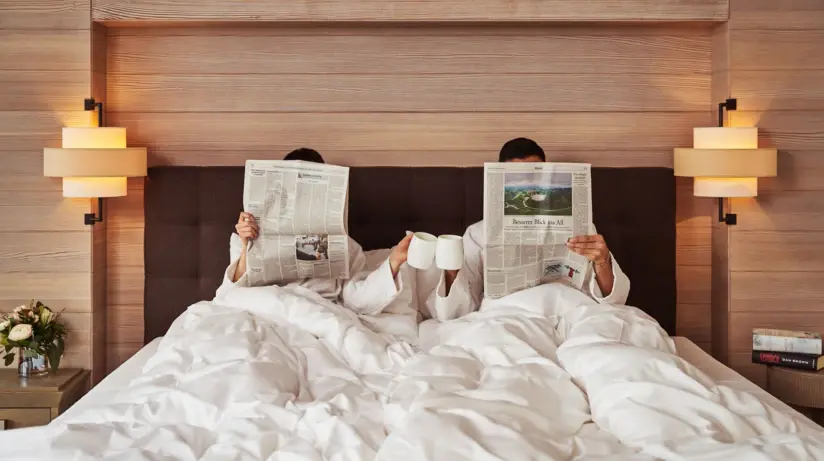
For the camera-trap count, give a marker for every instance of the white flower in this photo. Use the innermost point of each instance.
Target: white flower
(18, 310)
(5, 324)
(46, 315)
(20, 332)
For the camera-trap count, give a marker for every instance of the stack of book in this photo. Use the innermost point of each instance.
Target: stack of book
(786, 348)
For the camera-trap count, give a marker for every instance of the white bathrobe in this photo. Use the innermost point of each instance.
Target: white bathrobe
(467, 290)
(367, 292)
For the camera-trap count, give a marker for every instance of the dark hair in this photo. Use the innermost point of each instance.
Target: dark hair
(306, 154)
(520, 148)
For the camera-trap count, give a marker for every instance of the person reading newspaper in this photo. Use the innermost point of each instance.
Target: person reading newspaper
(461, 291)
(365, 292)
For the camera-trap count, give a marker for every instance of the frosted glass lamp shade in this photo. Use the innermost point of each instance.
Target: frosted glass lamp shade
(725, 187)
(85, 162)
(94, 138)
(94, 162)
(94, 187)
(725, 162)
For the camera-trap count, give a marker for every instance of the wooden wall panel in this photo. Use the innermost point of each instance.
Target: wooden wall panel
(46, 251)
(44, 14)
(775, 277)
(412, 11)
(424, 95)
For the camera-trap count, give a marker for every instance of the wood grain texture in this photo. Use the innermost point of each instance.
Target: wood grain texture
(781, 15)
(794, 130)
(770, 90)
(692, 246)
(45, 252)
(697, 290)
(42, 90)
(400, 93)
(773, 291)
(41, 211)
(781, 211)
(614, 158)
(798, 171)
(413, 11)
(786, 251)
(776, 49)
(358, 51)
(720, 294)
(693, 322)
(22, 286)
(431, 131)
(118, 353)
(52, 51)
(44, 14)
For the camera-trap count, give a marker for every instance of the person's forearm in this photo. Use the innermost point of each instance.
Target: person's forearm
(241, 266)
(605, 278)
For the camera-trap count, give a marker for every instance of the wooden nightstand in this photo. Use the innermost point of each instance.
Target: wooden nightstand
(800, 389)
(37, 401)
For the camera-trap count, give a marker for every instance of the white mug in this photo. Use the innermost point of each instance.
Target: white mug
(422, 250)
(449, 255)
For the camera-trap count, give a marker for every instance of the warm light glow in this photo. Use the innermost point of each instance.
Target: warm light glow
(725, 187)
(125, 162)
(94, 162)
(725, 162)
(94, 187)
(725, 138)
(94, 138)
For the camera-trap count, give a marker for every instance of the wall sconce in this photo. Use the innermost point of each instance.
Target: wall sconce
(94, 162)
(725, 162)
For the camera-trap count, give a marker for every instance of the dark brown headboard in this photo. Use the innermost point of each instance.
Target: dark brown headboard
(191, 212)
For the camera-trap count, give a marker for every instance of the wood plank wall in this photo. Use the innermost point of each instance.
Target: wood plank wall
(411, 95)
(406, 11)
(45, 249)
(774, 65)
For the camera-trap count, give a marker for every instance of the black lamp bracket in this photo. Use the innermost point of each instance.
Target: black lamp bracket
(729, 104)
(91, 104)
(729, 219)
(91, 218)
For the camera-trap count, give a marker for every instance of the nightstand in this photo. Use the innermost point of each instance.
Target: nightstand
(38, 400)
(800, 389)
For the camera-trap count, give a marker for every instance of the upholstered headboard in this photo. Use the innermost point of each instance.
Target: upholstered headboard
(191, 212)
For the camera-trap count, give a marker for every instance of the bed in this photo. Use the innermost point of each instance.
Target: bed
(271, 373)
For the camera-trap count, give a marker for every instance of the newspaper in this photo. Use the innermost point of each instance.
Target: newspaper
(530, 210)
(300, 208)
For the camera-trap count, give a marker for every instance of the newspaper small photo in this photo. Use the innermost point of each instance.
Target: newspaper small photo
(300, 208)
(530, 211)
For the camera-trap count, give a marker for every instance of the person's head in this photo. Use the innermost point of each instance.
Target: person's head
(306, 154)
(521, 150)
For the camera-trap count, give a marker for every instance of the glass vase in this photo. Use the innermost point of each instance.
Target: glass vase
(31, 364)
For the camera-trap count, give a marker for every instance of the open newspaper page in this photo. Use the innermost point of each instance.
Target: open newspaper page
(530, 210)
(300, 208)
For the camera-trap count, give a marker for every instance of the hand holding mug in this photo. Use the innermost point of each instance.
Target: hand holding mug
(399, 254)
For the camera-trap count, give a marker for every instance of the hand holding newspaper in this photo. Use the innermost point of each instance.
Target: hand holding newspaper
(300, 208)
(530, 211)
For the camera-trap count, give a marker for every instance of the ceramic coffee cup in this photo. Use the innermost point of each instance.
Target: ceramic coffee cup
(422, 250)
(449, 253)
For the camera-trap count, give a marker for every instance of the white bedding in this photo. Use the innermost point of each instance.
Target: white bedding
(271, 373)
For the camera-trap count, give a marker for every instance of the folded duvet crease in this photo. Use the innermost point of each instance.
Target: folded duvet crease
(270, 373)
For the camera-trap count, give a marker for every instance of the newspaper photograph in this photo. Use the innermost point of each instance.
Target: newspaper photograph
(530, 211)
(300, 208)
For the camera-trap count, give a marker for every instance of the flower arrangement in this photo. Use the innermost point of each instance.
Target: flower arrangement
(35, 330)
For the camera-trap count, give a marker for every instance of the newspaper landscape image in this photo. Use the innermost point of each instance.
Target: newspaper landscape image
(530, 211)
(300, 208)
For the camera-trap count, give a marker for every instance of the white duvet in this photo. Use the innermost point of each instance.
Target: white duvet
(546, 374)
